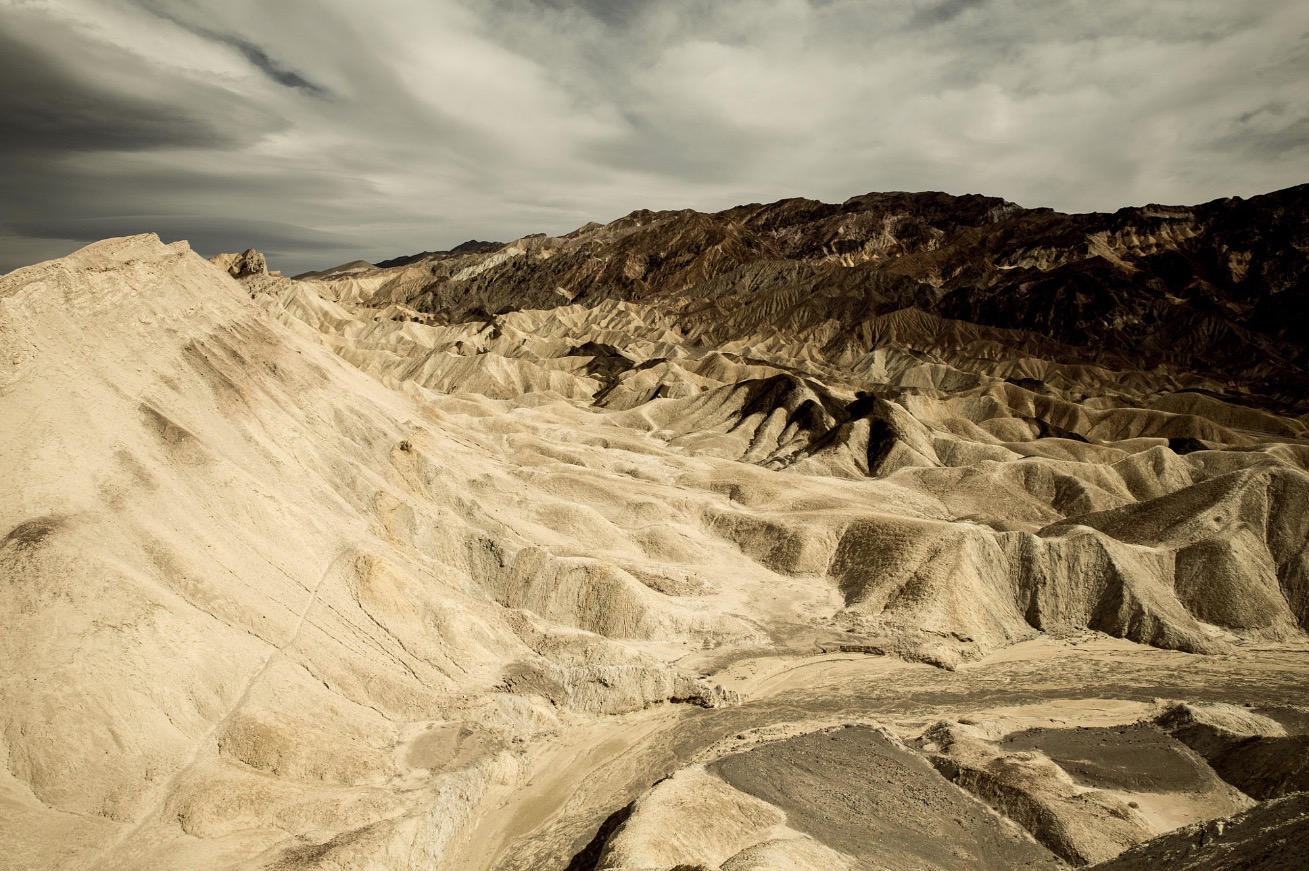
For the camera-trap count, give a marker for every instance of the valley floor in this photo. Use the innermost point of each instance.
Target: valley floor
(586, 774)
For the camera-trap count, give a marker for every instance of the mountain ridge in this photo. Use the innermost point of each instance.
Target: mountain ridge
(1192, 287)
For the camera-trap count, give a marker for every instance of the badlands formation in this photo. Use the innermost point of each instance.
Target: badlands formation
(914, 532)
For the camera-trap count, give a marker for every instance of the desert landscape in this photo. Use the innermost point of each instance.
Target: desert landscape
(910, 532)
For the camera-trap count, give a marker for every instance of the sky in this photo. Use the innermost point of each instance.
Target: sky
(324, 131)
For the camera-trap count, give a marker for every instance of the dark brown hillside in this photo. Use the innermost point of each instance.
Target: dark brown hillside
(1214, 289)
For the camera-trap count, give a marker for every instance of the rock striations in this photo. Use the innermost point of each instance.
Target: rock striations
(376, 567)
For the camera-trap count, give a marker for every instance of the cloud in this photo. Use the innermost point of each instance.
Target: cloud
(207, 235)
(338, 130)
(252, 52)
(265, 64)
(49, 108)
(930, 14)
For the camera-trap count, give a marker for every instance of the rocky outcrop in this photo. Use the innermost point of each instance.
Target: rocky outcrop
(1270, 837)
(248, 263)
(1250, 750)
(1080, 792)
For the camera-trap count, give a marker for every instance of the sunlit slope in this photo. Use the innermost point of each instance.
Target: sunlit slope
(240, 576)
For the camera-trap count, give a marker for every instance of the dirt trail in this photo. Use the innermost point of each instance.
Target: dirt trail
(119, 852)
(561, 763)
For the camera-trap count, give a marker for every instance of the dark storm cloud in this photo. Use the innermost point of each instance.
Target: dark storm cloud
(206, 235)
(332, 130)
(44, 108)
(79, 204)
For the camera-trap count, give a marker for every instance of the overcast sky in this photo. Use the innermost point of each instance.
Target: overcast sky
(322, 131)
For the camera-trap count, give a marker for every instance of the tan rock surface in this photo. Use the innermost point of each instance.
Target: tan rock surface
(320, 574)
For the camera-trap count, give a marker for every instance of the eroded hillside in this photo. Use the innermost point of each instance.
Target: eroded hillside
(441, 564)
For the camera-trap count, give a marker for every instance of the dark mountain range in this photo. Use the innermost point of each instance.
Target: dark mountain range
(472, 246)
(1215, 289)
